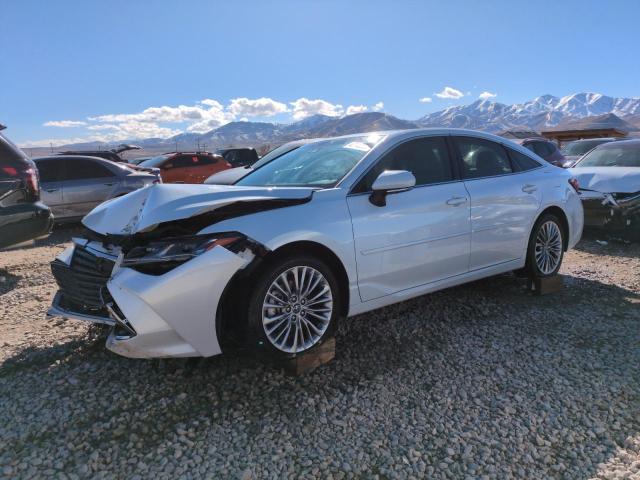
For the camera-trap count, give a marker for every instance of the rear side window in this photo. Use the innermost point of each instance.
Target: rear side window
(427, 158)
(482, 158)
(81, 169)
(521, 162)
(206, 160)
(49, 170)
(182, 161)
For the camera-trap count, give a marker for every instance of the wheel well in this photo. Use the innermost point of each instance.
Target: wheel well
(322, 253)
(558, 212)
(229, 315)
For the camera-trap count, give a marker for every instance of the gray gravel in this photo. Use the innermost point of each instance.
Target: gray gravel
(479, 381)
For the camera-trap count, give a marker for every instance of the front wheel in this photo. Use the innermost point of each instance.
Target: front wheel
(546, 247)
(294, 306)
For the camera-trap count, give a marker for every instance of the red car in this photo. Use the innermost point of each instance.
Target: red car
(186, 167)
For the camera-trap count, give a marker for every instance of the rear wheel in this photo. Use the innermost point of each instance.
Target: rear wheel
(294, 306)
(546, 247)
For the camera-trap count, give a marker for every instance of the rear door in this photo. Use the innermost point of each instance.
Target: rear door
(421, 235)
(503, 202)
(86, 184)
(51, 172)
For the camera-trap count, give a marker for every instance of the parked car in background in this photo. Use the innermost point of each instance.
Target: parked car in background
(22, 215)
(572, 151)
(187, 167)
(332, 229)
(239, 157)
(229, 177)
(544, 148)
(73, 185)
(609, 178)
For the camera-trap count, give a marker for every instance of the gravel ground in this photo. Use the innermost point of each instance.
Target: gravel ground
(480, 381)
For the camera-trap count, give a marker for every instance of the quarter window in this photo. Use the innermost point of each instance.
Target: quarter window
(482, 158)
(521, 162)
(427, 158)
(81, 169)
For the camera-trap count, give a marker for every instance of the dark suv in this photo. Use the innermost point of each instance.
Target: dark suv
(544, 149)
(22, 216)
(239, 157)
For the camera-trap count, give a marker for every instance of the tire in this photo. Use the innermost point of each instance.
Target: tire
(545, 262)
(275, 305)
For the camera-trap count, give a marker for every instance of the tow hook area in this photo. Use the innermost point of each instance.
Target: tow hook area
(122, 328)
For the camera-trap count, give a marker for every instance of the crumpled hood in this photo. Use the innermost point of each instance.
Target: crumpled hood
(143, 209)
(608, 179)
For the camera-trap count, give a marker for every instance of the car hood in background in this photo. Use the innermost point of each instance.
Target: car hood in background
(608, 179)
(144, 209)
(227, 177)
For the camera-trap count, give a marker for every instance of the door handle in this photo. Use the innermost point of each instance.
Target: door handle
(109, 184)
(529, 188)
(51, 190)
(456, 201)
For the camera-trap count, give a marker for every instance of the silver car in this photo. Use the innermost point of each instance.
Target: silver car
(333, 229)
(74, 185)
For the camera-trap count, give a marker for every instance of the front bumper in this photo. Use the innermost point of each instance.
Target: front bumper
(153, 316)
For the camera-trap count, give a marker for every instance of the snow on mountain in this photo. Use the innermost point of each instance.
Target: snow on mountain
(541, 112)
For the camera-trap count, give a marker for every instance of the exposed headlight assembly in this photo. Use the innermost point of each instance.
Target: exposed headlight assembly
(160, 256)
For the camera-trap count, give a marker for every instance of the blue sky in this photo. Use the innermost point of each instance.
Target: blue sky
(102, 65)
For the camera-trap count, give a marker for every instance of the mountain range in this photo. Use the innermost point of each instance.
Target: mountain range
(546, 112)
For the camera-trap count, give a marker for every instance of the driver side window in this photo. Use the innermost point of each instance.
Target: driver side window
(427, 158)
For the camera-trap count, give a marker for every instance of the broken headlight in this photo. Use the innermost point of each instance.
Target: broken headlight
(160, 256)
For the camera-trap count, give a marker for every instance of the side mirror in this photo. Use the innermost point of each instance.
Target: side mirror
(390, 181)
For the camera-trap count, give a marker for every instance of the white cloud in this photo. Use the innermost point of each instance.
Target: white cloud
(258, 107)
(378, 107)
(425, 100)
(351, 109)
(64, 123)
(487, 95)
(450, 92)
(303, 107)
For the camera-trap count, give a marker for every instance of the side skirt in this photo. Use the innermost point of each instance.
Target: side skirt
(435, 286)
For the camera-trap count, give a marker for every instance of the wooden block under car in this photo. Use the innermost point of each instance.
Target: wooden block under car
(544, 286)
(310, 360)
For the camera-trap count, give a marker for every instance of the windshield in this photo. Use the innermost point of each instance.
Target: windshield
(580, 147)
(275, 153)
(155, 161)
(321, 164)
(612, 155)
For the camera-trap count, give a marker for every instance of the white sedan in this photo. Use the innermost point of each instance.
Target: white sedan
(332, 229)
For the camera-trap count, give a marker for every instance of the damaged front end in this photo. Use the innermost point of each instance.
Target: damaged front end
(160, 297)
(158, 283)
(619, 213)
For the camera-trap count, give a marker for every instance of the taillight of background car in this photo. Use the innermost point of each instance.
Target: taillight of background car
(32, 182)
(574, 183)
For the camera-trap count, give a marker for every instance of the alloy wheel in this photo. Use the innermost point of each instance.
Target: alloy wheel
(548, 247)
(297, 309)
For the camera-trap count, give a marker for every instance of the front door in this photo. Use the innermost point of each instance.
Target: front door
(421, 235)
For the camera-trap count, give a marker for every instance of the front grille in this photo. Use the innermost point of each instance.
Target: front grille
(83, 283)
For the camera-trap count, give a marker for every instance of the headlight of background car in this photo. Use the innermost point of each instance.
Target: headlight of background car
(158, 257)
